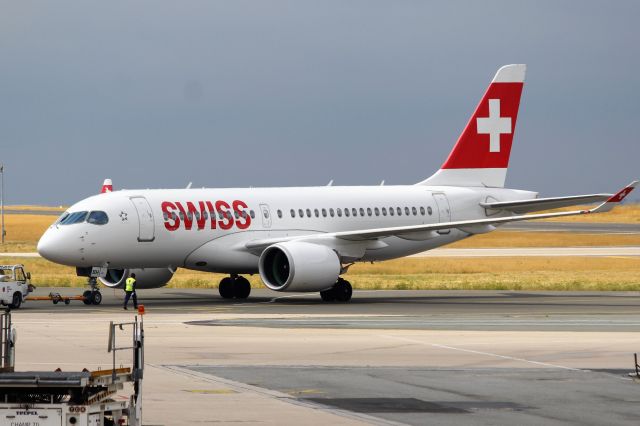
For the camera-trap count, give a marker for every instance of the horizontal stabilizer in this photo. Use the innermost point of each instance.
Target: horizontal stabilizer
(539, 204)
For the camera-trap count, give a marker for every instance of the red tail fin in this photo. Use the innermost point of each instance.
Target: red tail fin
(481, 155)
(107, 186)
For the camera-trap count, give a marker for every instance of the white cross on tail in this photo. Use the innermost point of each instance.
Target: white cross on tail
(494, 125)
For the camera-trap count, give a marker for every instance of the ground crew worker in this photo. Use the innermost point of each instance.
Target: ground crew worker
(130, 290)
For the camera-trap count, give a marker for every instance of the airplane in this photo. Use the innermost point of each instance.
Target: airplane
(304, 239)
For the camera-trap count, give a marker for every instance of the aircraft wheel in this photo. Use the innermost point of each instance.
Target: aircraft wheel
(225, 288)
(88, 297)
(241, 288)
(328, 295)
(343, 290)
(97, 298)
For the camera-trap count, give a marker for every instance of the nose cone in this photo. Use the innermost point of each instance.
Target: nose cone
(46, 246)
(52, 247)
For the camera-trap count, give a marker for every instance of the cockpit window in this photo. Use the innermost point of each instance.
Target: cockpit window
(62, 217)
(76, 217)
(98, 218)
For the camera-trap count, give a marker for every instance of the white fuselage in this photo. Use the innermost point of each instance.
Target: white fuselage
(148, 228)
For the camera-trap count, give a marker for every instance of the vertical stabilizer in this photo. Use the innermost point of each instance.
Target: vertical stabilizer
(107, 186)
(481, 154)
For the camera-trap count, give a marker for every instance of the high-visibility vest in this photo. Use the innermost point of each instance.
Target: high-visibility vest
(129, 282)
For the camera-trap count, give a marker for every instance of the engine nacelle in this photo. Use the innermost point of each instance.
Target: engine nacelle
(145, 277)
(299, 266)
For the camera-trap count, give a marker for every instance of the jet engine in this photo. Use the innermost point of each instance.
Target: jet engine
(299, 266)
(145, 277)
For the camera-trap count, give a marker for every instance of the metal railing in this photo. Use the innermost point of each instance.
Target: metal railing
(6, 342)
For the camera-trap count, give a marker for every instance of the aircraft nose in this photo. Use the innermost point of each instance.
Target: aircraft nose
(46, 245)
(51, 247)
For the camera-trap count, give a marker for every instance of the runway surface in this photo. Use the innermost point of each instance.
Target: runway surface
(388, 357)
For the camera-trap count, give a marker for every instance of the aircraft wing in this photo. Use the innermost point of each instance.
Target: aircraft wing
(538, 204)
(472, 226)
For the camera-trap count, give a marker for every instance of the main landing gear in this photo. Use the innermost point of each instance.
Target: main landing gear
(234, 287)
(92, 296)
(340, 292)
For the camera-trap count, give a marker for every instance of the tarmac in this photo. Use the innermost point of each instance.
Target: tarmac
(388, 357)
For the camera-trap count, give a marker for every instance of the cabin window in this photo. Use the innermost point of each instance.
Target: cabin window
(422, 210)
(361, 211)
(368, 211)
(339, 212)
(406, 211)
(376, 211)
(280, 213)
(414, 211)
(293, 213)
(316, 212)
(308, 212)
(346, 212)
(399, 211)
(355, 212)
(384, 211)
(331, 212)
(252, 214)
(324, 212)
(300, 213)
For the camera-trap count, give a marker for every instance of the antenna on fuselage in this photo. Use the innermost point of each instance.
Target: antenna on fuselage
(382, 183)
(330, 183)
(189, 186)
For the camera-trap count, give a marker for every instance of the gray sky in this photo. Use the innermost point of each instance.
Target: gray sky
(279, 93)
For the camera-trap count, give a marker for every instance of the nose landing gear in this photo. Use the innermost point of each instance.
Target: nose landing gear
(340, 292)
(92, 296)
(234, 287)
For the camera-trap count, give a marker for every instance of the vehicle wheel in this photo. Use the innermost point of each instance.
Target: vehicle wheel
(97, 298)
(16, 301)
(343, 290)
(328, 295)
(241, 288)
(55, 301)
(87, 297)
(67, 301)
(225, 288)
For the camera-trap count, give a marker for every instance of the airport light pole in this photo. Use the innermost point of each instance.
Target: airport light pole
(2, 198)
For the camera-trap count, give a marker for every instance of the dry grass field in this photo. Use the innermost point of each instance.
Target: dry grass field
(627, 213)
(23, 231)
(517, 273)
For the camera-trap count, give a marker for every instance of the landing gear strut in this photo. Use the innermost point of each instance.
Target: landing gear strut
(234, 287)
(92, 296)
(340, 292)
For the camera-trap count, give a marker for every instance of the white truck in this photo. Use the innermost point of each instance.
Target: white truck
(14, 285)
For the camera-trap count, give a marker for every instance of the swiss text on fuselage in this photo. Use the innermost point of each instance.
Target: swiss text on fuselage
(200, 215)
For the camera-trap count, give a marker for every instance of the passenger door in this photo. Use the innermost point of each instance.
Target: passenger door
(444, 210)
(266, 215)
(146, 232)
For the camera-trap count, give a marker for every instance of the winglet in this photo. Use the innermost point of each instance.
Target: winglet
(615, 199)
